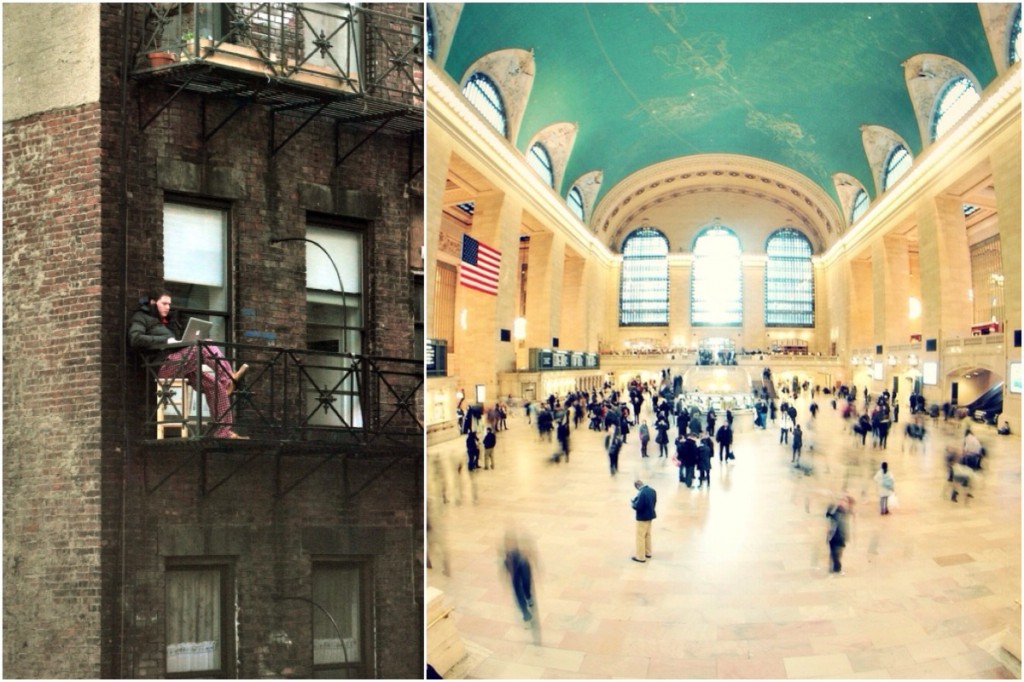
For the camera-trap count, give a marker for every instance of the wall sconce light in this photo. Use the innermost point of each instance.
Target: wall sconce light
(854, 361)
(891, 360)
(912, 360)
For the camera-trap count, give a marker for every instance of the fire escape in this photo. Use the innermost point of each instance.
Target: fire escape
(362, 69)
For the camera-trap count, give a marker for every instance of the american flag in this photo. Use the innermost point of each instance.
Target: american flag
(480, 266)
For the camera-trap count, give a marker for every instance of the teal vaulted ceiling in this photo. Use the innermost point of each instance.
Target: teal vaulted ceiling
(791, 84)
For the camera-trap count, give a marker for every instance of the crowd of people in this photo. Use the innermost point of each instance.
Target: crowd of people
(685, 429)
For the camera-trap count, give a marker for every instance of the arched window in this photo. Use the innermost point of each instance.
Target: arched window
(1015, 38)
(540, 161)
(788, 280)
(860, 204)
(955, 100)
(483, 94)
(643, 288)
(575, 201)
(896, 165)
(716, 280)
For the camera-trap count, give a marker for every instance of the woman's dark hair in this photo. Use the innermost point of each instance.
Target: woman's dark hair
(158, 292)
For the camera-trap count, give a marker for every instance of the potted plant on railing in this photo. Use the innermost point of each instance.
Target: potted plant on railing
(161, 58)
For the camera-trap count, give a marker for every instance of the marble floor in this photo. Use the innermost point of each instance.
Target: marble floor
(738, 586)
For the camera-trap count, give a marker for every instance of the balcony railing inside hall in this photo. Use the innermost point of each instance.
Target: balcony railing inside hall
(289, 395)
(343, 47)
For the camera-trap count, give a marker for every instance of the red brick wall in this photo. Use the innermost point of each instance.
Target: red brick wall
(53, 331)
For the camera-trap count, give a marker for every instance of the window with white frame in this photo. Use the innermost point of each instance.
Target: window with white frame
(897, 163)
(643, 285)
(957, 97)
(339, 633)
(485, 97)
(200, 616)
(575, 201)
(788, 280)
(334, 324)
(716, 279)
(540, 161)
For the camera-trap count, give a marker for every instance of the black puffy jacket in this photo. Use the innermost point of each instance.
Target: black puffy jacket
(149, 335)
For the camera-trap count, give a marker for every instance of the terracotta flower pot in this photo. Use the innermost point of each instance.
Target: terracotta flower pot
(161, 58)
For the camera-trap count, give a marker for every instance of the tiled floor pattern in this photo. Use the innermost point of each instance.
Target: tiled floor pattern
(738, 586)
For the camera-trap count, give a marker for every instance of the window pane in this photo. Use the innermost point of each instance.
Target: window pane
(193, 606)
(716, 279)
(483, 94)
(540, 161)
(575, 201)
(896, 166)
(643, 286)
(337, 639)
(789, 281)
(346, 250)
(860, 204)
(957, 99)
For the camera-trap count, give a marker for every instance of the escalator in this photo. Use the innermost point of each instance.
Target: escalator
(988, 406)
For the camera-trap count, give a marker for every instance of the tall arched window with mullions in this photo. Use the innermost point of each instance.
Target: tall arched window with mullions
(575, 200)
(958, 96)
(485, 97)
(788, 280)
(897, 163)
(716, 279)
(540, 161)
(643, 287)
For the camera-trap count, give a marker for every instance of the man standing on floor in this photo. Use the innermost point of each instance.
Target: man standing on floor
(644, 502)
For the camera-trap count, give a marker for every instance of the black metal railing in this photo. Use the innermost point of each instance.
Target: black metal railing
(343, 47)
(286, 395)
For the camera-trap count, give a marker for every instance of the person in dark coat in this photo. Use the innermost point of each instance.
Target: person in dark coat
(661, 437)
(724, 438)
(838, 531)
(563, 437)
(705, 451)
(155, 328)
(644, 503)
(490, 440)
(687, 459)
(798, 444)
(614, 445)
(472, 451)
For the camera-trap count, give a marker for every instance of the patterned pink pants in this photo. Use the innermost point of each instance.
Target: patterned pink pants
(181, 364)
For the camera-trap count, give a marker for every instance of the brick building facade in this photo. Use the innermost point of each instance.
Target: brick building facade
(295, 552)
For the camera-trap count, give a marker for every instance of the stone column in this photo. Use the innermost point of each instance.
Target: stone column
(481, 354)
(890, 277)
(544, 301)
(860, 304)
(945, 269)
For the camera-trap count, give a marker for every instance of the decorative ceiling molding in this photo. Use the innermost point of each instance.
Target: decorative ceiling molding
(997, 20)
(750, 177)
